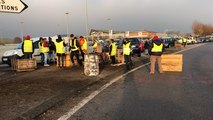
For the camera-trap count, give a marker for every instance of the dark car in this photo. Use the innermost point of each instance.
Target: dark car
(168, 42)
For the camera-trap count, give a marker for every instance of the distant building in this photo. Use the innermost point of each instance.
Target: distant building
(106, 33)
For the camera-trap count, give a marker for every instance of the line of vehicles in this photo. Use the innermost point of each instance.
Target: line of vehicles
(137, 45)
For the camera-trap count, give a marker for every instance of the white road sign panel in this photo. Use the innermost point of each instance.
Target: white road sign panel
(12, 6)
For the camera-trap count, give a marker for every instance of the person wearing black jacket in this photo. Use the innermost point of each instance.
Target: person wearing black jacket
(60, 51)
(52, 50)
(27, 47)
(74, 49)
(156, 51)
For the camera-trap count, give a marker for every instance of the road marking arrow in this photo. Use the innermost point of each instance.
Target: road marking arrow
(12, 6)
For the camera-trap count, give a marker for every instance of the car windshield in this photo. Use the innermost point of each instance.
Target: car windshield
(134, 41)
(19, 46)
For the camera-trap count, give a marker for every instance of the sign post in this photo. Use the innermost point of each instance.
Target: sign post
(12, 6)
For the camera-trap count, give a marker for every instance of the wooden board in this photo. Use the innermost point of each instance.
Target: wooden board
(67, 61)
(172, 56)
(119, 56)
(172, 62)
(91, 65)
(172, 68)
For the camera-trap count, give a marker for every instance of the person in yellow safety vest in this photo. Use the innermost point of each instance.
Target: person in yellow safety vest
(156, 52)
(74, 49)
(184, 42)
(45, 50)
(127, 53)
(60, 51)
(27, 47)
(41, 50)
(94, 45)
(83, 48)
(112, 51)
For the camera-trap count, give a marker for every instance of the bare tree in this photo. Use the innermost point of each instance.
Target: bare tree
(202, 29)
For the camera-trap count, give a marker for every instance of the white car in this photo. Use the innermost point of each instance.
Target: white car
(17, 52)
(191, 40)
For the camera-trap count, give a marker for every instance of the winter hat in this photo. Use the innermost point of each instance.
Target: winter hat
(27, 37)
(155, 37)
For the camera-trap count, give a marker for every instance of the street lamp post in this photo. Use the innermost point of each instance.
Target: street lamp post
(22, 33)
(86, 23)
(67, 14)
(108, 19)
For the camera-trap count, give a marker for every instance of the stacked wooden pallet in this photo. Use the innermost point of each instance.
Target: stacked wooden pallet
(172, 62)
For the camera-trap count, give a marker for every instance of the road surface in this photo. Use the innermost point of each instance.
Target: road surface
(169, 96)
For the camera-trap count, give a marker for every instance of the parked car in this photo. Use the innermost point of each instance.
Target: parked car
(191, 40)
(17, 52)
(168, 42)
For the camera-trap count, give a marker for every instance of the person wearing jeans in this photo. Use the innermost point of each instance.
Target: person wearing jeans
(45, 50)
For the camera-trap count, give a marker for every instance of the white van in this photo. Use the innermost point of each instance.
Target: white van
(17, 52)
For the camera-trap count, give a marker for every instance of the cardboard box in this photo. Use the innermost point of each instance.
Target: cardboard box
(172, 62)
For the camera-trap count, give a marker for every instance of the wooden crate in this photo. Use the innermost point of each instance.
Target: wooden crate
(172, 62)
(24, 64)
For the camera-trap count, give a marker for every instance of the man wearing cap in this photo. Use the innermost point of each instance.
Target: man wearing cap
(156, 52)
(27, 47)
(127, 53)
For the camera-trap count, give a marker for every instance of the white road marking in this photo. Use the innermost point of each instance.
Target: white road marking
(73, 110)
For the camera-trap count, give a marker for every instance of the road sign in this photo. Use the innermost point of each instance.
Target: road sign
(12, 6)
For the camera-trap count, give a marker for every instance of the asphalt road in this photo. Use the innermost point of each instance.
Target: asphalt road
(169, 96)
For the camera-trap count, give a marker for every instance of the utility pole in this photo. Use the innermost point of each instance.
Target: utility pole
(21, 28)
(86, 23)
(67, 14)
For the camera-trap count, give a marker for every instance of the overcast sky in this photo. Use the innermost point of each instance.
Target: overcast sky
(47, 17)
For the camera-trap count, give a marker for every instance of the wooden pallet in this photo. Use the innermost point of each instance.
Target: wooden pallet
(172, 62)
(21, 65)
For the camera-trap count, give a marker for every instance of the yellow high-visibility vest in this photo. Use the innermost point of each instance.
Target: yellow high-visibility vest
(157, 48)
(184, 40)
(40, 48)
(84, 46)
(113, 52)
(73, 45)
(95, 45)
(126, 49)
(28, 46)
(45, 49)
(60, 47)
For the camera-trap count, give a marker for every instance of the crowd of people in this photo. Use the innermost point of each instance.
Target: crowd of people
(78, 46)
